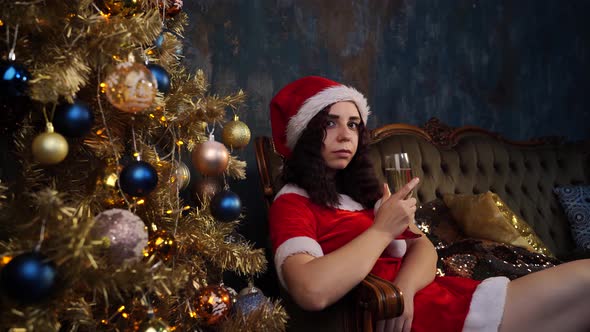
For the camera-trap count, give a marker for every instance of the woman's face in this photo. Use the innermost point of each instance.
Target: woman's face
(342, 135)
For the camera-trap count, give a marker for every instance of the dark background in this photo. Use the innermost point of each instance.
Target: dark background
(519, 68)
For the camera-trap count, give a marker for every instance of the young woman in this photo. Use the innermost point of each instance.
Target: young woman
(333, 223)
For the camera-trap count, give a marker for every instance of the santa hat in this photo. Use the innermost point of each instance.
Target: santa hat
(298, 102)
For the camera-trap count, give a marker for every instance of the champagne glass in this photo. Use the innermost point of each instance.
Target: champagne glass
(398, 173)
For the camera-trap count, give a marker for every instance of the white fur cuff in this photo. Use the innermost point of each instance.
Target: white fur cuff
(296, 245)
(487, 306)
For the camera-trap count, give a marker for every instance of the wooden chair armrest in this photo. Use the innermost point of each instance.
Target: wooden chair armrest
(379, 298)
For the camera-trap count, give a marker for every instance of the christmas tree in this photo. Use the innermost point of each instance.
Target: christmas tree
(97, 232)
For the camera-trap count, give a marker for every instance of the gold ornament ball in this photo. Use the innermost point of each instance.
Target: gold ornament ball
(50, 148)
(131, 87)
(236, 134)
(154, 325)
(162, 244)
(210, 158)
(183, 176)
(213, 304)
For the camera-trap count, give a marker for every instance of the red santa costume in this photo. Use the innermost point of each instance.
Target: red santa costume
(298, 225)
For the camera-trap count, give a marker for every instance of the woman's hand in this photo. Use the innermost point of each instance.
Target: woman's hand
(395, 212)
(402, 323)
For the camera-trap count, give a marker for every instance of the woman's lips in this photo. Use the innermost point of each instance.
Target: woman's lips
(342, 153)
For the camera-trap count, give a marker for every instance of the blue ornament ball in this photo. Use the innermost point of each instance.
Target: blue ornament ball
(138, 179)
(14, 79)
(161, 76)
(159, 41)
(28, 278)
(73, 120)
(246, 303)
(226, 206)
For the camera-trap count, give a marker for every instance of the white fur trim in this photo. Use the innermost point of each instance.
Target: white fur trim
(487, 306)
(295, 245)
(318, 102)
(291, 189)
(396, 248)
(345, 202)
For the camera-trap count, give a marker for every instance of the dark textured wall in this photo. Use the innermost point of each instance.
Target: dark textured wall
(520, 68)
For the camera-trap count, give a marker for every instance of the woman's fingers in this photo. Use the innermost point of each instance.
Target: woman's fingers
(407, 189)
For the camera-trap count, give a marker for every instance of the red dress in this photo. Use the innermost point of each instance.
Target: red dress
(447, 304)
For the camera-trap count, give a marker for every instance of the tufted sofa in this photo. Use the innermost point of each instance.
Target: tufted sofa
(466, 160)
(470, 160)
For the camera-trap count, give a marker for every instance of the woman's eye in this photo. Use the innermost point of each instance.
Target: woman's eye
(353, 125)
(330, 123)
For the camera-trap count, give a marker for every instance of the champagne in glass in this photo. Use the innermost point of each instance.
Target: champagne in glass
(398, 171)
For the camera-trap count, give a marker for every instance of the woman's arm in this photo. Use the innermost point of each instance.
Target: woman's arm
(315, 283)
(419, 266)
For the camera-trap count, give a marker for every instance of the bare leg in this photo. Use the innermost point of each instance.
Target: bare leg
(556, 299)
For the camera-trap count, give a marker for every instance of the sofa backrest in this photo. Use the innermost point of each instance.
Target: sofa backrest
(470, 160)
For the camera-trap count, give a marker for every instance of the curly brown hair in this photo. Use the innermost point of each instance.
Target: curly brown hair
(307, 169)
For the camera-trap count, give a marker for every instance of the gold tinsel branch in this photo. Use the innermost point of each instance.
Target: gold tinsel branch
(270, 316)
(236, 168)
(117, 36)
(65, 74)
(209, 238)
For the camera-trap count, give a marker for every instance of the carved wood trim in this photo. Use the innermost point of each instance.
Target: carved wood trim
(262, 151)
(443, 135)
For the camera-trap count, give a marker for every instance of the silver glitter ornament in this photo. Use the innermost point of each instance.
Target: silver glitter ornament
(124, 232)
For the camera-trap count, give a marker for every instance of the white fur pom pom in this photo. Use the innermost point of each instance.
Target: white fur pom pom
(396, 248)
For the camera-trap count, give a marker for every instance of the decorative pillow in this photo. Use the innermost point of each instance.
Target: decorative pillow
(480, 259)
(486, 216)
(575, 201)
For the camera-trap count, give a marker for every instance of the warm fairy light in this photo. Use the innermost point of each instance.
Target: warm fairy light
(111, 180)
(116, 58)
(140, 202)
(152, 116)
(169, 212)
(136, 154)
(186, 207)
(5, 260)
(104, 322)
(192, 314)
(99, 132)
(104, 15)
(179, 143)
(121, 308)
(163, 119)
(1, 23)
(125, 315)
(149, 52)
